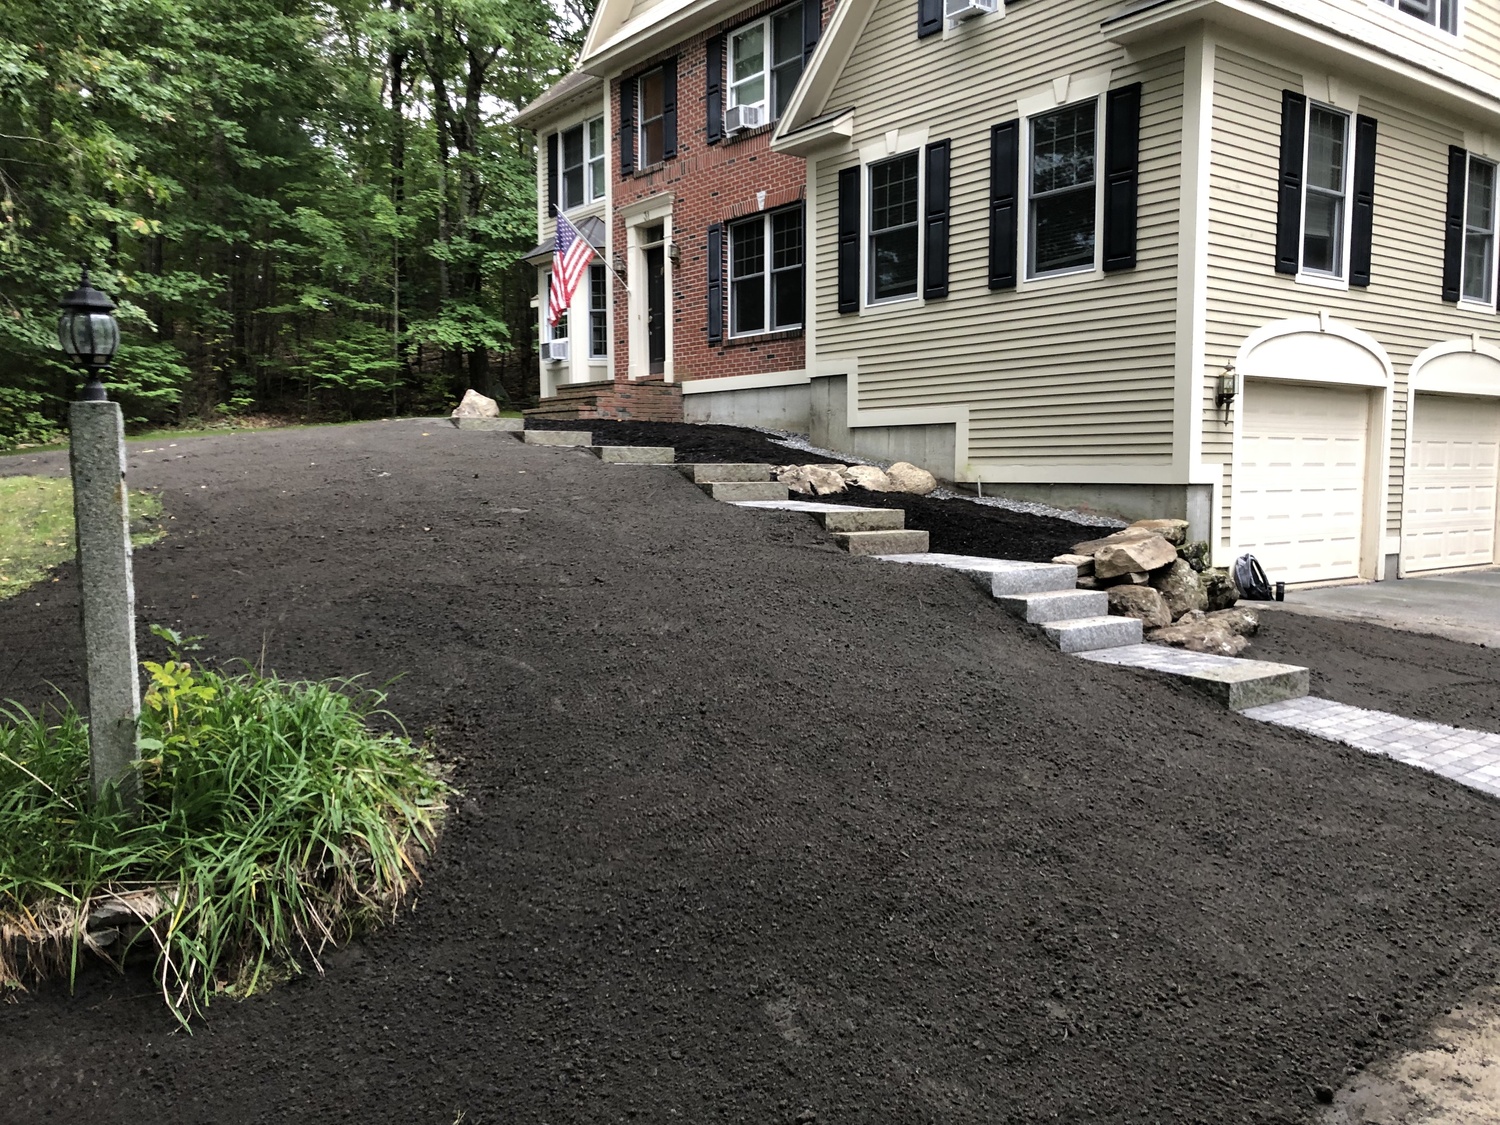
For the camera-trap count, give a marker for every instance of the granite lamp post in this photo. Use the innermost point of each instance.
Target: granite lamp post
(101, 509)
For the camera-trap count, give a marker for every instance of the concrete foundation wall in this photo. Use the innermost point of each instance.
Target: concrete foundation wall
(776, 408)
(931, 447)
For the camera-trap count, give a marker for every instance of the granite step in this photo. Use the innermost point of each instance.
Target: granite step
(1236, 683)
(838, 517)
(736, 490)
(709, 473)
(999, 576)
(560, 437)
(508, 424)
(881, 542)
(1086, 634)
(635, 454)
(1056, 605)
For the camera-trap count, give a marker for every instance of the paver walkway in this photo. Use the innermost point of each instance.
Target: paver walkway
(1470, 757)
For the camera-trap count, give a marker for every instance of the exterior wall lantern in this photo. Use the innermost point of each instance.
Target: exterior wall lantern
(89, 335)
(1224, 391)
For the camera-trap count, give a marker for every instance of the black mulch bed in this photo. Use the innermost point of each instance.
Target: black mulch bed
(954, 527)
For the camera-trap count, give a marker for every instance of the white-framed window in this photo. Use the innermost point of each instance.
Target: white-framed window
(651, 95)
(1479, 233)
(582, 163)
(1326, 169)
(765, 61)
(1441, 14)
(598, 312)
(550, 332)
(765, 272)
(893, 243)
(1061, 182)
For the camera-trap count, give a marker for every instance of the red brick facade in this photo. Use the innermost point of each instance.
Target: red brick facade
(709, 183)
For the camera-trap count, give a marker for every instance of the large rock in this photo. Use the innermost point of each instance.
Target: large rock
(1181, 588)
(1173, 531)
(1141, 602)
(870, 477)
(1241, 620)
(1083, 563)
(1128, 535)
(1195, 554)
(1197, 633)
(475, 405)
(1137, 554)
(1130, 578)
(1220, 588)
(812, 480)
(906, 477)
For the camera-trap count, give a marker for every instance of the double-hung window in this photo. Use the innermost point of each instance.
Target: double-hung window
(582, 161)
(651, 129)
(1479, 232)
(765, 61)
(598, 312)
(1325, 198)
(1062, 190)
(894, 244)
(551, 332)
(765, 272)
(1442, 14)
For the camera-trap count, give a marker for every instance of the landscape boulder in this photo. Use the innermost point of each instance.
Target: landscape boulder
(1195, 632)
(1137, 554)
(1131, 578)
(1241, 620)
(812, 480)
(1141, 602)
(1181, 588)
(1084, 564)
(906, 477)
(1220, 588)
(870, 477)
(1173, 531)
(1092, 547)
(1195, 554)
(476, 405)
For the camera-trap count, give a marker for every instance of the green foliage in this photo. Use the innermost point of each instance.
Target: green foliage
(276, 821)
(36, 527)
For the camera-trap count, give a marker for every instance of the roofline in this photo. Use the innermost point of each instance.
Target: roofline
(611, 50)
(535, 114)
(810, 99)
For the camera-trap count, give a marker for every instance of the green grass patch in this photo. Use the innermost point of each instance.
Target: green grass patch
(276, 821)
(36, 527)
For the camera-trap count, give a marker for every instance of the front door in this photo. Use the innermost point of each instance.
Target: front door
(656, 308)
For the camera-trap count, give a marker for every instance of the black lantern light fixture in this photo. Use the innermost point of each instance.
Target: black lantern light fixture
(1225, 389)
(89, 334)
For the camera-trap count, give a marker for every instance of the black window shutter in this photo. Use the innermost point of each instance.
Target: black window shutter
(849, 240)
(552, 173)
(1122, 164)
(1005, 171)
(716, 283)
(669, 109)
(1362, 225)
(715, 95)
(812, 28)
(627, 126)
(1453, 239)
(1289, 183)
(929, 17)
(935, 226)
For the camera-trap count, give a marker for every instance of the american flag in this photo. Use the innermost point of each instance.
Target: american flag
(570, 258)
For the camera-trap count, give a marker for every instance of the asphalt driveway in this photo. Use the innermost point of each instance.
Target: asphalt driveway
(1462, 607)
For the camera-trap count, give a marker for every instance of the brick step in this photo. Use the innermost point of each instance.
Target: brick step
(1056, 605)
(706, 473)
(881, 542)
(1236, 683)
(559, 437)
(1000, 576)
(733, 490)
(1086, 634)
(635, 454)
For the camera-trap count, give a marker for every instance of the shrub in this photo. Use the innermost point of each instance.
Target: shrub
(275, 822)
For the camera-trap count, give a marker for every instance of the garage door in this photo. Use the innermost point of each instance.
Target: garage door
(1451, 473)
(1300, 484)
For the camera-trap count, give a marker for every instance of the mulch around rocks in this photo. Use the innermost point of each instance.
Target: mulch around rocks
(751, 828)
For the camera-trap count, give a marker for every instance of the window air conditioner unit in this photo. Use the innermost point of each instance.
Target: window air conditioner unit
(744, 117)
(957, 10)
(557, 350)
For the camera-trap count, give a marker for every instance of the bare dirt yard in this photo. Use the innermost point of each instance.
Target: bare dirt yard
(755, 831)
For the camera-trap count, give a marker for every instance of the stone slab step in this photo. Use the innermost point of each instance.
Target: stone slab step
(1057, 605)
(881, 542)
(489, 423)
(560, 437)
(726, 473)
(635, 454)
(1000, 576)
(1089, 633)
(838, 517)
(735, 490)
(1236, 683)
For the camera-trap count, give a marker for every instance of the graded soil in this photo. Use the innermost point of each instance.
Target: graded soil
(752, 830)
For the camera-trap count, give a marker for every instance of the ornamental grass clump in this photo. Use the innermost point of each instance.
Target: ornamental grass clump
(275, 822)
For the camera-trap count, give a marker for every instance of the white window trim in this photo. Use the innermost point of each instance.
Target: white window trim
(953, 27)
(1025, 278)
(640, 118)
(765, 220)
(866, 278)
(590, 310)
(549, 331)
(1405, 19)
(768, 63)
(1469, 302)
(1316, 278)
(602, 157)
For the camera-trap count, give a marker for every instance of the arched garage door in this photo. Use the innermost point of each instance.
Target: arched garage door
(1452, 469)
(1300, 478)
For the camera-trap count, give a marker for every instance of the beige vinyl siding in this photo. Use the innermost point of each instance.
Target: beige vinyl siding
(1402, 308)
(637, 8)
(1479, 21)
(1070, 371)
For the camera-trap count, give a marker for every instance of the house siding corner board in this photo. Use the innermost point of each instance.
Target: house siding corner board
(1067, 371)
(1402, 308)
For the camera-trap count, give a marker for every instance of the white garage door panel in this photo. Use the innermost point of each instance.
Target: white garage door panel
(1300, 483)
(1452, 469)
